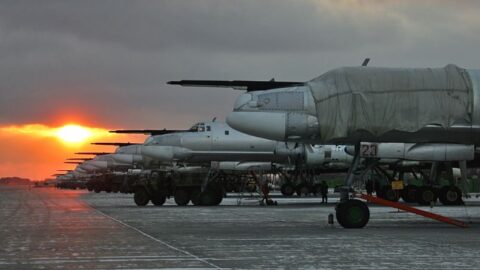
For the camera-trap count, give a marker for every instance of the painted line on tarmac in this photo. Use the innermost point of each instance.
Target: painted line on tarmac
(156, 239)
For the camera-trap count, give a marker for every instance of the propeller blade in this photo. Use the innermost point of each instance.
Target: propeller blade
(238, 85)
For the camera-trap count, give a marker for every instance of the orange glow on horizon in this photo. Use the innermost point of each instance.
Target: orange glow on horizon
(69, 134)
(73, 133)
(36, 151)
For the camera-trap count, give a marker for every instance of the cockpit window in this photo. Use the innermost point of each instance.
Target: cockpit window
(200, 127)
(209, 128)
(149, 140)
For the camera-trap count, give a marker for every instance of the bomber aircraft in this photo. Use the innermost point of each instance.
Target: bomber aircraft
(422, 114)
(215, 141)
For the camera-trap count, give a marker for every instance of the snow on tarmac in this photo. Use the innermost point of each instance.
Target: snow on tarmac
(57, 229)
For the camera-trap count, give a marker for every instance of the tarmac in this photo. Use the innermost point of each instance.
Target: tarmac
(46, 228)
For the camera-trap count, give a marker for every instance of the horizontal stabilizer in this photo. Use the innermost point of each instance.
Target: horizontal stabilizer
(92, 153)
(238, 85)
(73, 162)
(147, 131)
(64, 170)
(115, 143)
(82, 159)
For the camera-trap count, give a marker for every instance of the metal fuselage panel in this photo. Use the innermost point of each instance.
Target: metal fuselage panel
(216, 141)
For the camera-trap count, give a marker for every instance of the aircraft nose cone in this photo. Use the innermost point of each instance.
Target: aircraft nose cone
(268, 125)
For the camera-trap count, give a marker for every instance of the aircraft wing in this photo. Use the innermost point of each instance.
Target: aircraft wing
(238, 85)
(147, 131)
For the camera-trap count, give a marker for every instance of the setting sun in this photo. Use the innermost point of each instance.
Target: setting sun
(73, 134)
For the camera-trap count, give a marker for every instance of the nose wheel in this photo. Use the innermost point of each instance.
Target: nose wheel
(352, 214)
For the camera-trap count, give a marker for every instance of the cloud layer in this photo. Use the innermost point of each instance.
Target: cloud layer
(106, 63)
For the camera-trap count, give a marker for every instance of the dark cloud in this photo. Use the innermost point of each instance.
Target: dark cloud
(109, 60)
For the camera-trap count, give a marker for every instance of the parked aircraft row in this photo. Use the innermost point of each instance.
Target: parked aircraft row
(375, 122)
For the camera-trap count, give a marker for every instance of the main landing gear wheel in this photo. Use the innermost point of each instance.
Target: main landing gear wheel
(195, 197)
(141, 197)
(181, 197)
(352, 214)
(158, 199)
(388, 194)
(426, 195)
(210, 197)
(302, 190)
(409, 194)
(287, 189)
(450, 195)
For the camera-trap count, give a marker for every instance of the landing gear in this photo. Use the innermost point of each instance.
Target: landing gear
(352, 214)
(387, 193)
(141, 197)
(450, 195)
(158, 199)
(181, 197)
(409, 194)
(287, 189)
(302, 190)
(210, 197)
(426, 195)
(195, 196)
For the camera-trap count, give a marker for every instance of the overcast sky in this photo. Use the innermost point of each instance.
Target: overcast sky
(108, 61)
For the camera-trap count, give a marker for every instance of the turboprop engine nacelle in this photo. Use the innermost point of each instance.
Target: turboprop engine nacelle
(165, 153)
(418, 152)
(289, 149)
(327, 155)
(242, 166)
(127, 158)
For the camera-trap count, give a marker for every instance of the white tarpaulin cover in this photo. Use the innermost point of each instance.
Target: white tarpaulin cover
(383, 99)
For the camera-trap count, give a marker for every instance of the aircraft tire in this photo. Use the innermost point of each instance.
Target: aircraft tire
(181, 197)
(97, 189)
(390, 194)
(218, 197)
(352, 214)
(287, 189)
(426, 195)
(207, 198)
(302, 190)
(141, 197)
(158, 199)
(195, 197)
(450, 195)
(409, 194)
(317, 189)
